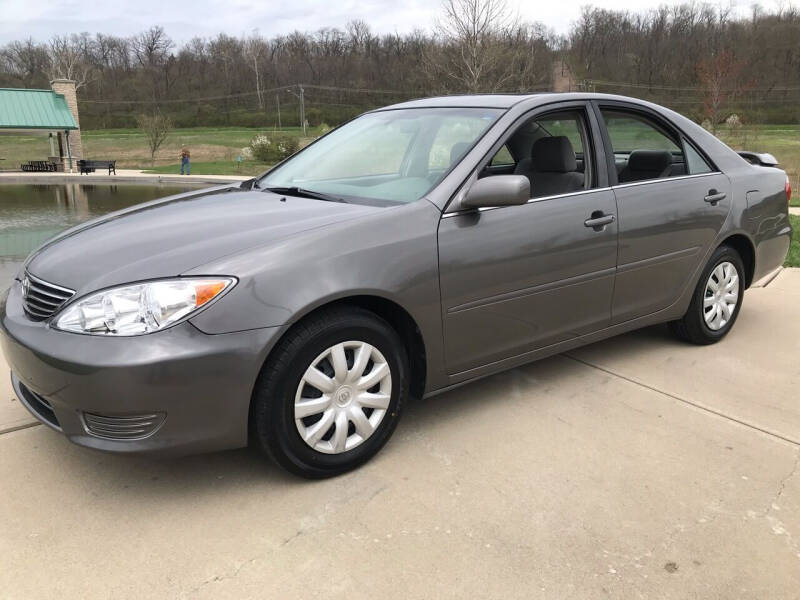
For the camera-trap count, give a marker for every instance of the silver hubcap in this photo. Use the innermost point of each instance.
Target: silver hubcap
(722, 295)
(342, 397)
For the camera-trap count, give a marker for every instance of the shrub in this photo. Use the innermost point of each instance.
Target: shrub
(273, 149)
(285, 145)
(260, 147)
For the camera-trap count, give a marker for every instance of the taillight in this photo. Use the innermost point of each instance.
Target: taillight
(788, 191)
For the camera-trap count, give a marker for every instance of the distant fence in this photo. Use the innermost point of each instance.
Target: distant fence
(755, 105)
(283, 106)
(271, 108)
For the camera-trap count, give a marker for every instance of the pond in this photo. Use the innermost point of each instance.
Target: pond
(31, 214)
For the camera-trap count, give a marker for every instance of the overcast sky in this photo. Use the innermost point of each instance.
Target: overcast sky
(184, 19)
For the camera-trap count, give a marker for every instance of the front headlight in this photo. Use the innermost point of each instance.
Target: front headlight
(140, 308)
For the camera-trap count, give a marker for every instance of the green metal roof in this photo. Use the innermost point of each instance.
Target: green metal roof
(34, 109)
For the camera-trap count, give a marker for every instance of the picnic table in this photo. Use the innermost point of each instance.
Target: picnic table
(38, 166)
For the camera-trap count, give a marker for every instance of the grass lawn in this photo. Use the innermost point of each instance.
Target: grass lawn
(217, 167)
(793, 258)
(129, 147)
(782, 141)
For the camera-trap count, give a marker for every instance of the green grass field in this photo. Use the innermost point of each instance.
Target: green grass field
(782, 141)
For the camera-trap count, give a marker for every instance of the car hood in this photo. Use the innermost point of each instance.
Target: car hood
(171, 236)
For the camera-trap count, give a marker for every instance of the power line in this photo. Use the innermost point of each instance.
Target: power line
(245, 94)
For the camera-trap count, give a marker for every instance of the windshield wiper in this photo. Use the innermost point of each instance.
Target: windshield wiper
(304, 193)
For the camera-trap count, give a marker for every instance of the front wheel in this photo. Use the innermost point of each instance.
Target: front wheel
(716, 301)
(332, 393)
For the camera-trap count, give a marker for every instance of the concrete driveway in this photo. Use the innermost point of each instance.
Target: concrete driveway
(638, 467)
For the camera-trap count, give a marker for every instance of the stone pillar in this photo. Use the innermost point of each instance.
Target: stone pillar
(66, 87)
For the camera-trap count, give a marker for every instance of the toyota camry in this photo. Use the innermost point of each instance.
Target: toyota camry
(414, 249)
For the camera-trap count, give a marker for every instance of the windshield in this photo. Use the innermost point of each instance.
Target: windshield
(395, 156)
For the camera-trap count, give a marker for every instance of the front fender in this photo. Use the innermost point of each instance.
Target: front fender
(391, 254)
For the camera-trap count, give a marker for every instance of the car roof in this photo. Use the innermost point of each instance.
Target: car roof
(506, 101)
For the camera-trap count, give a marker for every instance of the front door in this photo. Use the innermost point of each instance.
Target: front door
(518, 278)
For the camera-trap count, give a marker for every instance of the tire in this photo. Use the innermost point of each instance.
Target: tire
(278, 393)
(693, 327)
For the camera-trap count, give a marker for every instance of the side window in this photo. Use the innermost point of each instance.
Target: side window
(642, 148)
(695, 163)
(551, 153)
(567, 126)
(452, 140)
(503, 158)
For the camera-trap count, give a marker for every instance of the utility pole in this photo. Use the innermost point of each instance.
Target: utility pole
(278, 102)
(302, 110)
(302, 99)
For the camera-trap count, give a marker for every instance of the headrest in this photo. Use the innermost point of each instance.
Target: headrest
(553, 155)
(457, 151)
(650, 160)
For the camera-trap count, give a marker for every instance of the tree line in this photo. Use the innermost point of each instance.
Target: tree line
(698, 58)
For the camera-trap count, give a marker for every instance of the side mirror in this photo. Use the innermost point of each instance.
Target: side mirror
(498, 190)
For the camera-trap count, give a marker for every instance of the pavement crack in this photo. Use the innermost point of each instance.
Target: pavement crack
(783, 482)
(376, 492)
(291, 538)
(217, 578)
(686, 401)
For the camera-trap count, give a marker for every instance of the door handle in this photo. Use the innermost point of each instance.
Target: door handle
(598, 220)
(714, 196)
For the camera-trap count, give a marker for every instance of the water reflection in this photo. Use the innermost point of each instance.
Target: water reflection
(31, 214)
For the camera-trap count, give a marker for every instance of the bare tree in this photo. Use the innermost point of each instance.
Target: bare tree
(23, 61)
(255, 51)
(70, 58)
(475, 56)
(156, 128)
(152, 51)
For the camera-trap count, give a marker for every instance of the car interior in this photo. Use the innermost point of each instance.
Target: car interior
(549, 151)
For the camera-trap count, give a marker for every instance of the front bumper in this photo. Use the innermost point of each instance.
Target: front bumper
(199, 385)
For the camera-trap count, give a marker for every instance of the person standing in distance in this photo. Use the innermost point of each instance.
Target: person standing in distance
(185, 155)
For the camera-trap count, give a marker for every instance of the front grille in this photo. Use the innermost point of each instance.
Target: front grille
(41, 299)
(127, 427)
(38, 405)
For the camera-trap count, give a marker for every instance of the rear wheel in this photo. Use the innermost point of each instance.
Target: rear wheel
(332, 392)
(716, 300)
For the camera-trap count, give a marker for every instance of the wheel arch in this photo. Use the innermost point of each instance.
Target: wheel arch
(393, 313)
(744, 247)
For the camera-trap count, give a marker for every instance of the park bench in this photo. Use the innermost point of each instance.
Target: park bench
(38, 166)
(89, 166)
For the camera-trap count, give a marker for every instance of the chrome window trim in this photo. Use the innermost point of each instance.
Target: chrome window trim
(612, 188)
(665, 179)
(464, 211)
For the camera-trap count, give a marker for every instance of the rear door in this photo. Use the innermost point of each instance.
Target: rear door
(668, 218)
(517, 278)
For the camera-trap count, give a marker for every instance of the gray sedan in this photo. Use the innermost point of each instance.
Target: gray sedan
(414, 249)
